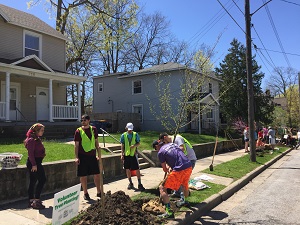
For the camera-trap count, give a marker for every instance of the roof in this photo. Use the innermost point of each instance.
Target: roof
(161, 67)
(166, 67)
(28, 21)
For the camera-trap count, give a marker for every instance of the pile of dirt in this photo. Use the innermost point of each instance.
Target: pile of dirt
(119, 210)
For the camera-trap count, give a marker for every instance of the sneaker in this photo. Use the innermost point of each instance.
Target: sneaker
(99, 195)
(141, 187)
(181, 203)
(166, 215)
(87, 196)
(130, 186)
(37, 204)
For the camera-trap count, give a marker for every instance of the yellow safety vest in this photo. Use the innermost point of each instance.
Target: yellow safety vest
(186, 142)
(127, 150)
(87, 144)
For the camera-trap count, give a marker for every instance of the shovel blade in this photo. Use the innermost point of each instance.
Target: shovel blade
(211, 167)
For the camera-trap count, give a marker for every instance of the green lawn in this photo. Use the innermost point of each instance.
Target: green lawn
(236, 169)
(58, 150)
(148, 137)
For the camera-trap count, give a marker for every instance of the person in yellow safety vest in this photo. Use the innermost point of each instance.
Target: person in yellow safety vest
(188, 150)
(130, 140)
(86, 145)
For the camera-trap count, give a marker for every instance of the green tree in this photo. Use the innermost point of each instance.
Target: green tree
(233, 91)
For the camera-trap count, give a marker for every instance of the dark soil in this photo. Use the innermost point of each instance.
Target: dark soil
(119, 209)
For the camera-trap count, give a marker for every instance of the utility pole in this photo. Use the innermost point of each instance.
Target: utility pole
(299, 94)
(250, 82)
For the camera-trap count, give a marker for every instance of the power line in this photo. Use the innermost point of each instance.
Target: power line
(279, 51)
(291, 2)
(231, 16)
(208, 26)
(258, 53)
(276, 34)
(262, 44)
(238, 7)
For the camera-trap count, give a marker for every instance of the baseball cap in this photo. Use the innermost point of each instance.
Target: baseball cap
(129, 126)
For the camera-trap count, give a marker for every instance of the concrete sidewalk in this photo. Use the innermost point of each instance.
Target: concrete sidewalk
(17, 213)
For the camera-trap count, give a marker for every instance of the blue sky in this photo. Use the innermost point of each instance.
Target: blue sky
(202, 21)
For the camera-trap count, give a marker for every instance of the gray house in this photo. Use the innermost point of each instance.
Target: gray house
(136, 92)
(33, 70)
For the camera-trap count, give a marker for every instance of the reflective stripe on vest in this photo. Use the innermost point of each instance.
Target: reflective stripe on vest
(129, 151)
(87, 144)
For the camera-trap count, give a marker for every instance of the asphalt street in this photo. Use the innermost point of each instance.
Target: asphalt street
(270, 198)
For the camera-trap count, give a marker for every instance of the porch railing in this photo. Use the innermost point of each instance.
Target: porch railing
(65, 112)
(2, 110)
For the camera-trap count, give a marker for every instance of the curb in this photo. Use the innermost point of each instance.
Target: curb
(214, 200)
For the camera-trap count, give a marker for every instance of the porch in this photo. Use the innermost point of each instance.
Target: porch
(59, 112)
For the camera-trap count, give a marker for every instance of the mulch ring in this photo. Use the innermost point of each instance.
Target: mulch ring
(121, 210)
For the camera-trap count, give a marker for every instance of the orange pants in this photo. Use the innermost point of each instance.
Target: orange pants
(177, 178)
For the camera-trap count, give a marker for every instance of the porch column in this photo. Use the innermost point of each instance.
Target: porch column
(50, 101)
(79, 101)
(7, 96)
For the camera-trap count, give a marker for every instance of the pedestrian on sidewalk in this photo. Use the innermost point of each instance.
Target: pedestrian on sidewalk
(36, 154)
(86, 146)
(272, 137)
(179, 169)
(188, 150)
(130, 140)
(246, 138)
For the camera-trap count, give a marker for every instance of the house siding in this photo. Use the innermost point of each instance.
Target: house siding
(54, 53)
(11, 41)
(11, 46)
(119, 91)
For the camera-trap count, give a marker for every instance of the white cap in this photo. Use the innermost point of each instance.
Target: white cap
(129, 126)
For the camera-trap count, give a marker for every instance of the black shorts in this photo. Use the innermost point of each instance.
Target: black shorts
(131, 162)
(89, 165)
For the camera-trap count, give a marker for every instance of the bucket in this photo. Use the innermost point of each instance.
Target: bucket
(10, 160)
(133, 173)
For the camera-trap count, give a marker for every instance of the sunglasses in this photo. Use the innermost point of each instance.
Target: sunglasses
(83, 120)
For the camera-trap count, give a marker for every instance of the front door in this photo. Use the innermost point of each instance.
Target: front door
(14, 101)
(42, 104)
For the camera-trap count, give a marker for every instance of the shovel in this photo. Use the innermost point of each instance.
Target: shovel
(211, 167)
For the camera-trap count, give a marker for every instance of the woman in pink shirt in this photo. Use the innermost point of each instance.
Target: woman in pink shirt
(36, 154)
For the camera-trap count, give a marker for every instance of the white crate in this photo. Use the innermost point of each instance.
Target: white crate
(10, 160)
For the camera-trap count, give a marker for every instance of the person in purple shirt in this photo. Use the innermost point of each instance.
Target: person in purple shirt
(178, 168)
(36, 154)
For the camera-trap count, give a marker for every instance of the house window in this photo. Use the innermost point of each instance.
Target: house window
(32, 44)
(137, 87)
(100, 87)
(210, 87)
(209, 114)
(138, 109)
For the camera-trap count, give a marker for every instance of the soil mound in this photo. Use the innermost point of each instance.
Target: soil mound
(119, 210)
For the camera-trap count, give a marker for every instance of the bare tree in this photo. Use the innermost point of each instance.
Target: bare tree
(280, 82)
(150, 37)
